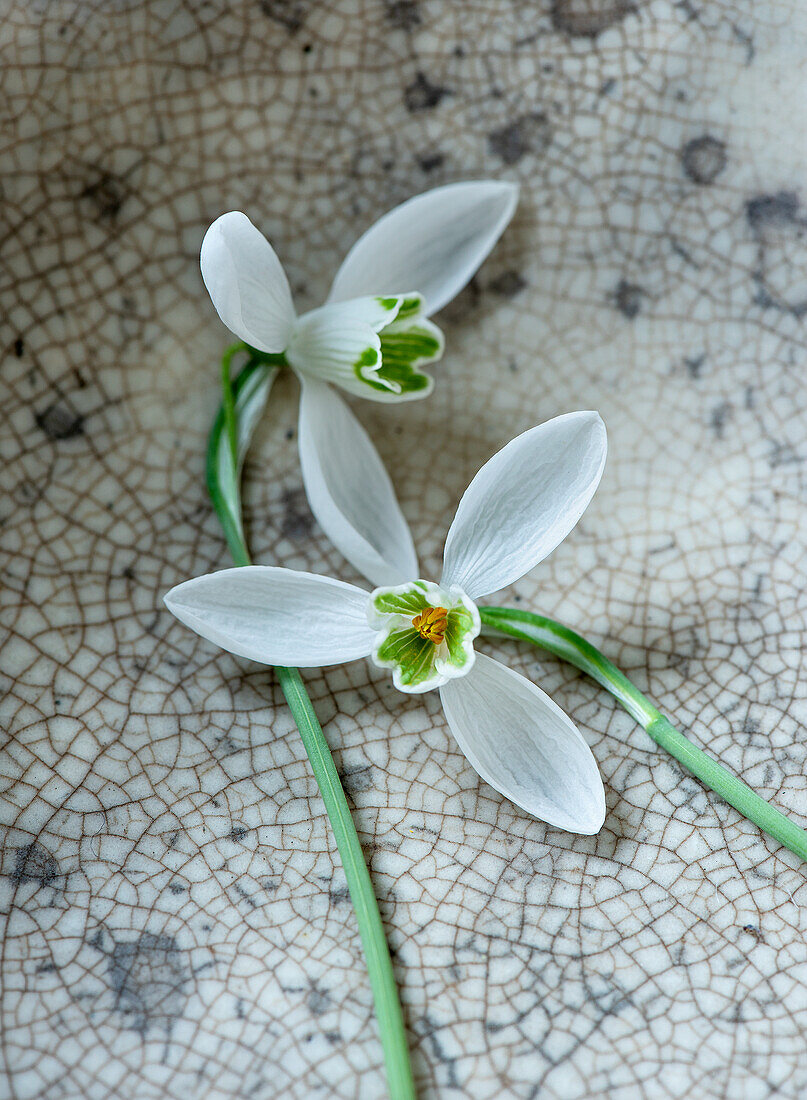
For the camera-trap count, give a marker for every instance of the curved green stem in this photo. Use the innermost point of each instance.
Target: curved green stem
(223, 468)
(569, 646)
(228, 402)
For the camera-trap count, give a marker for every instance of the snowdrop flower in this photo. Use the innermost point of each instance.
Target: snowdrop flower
(371, 338)
(517, 509)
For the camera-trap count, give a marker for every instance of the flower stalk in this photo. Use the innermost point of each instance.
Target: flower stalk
(569, 646)
(227, 444)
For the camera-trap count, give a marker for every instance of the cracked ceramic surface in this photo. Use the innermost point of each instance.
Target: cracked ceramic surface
(173, 925)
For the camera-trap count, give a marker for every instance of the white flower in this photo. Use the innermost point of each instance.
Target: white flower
(520, 505)
(370, 338)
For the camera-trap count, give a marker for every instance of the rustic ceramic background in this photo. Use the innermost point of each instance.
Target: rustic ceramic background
(173, 925)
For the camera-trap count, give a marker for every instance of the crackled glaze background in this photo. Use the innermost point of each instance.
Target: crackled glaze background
(173, 925)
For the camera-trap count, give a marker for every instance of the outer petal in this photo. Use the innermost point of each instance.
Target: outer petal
(349, 490)
(276, 616)
(433, 243)
(247, 283)
(525, 746)
(523, 502)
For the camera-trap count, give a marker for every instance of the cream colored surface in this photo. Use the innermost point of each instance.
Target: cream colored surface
(173, 924)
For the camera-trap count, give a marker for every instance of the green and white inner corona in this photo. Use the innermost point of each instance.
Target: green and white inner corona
(425, 633)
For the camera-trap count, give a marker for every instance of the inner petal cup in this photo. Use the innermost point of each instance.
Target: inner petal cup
(371, 347)
(425, 634)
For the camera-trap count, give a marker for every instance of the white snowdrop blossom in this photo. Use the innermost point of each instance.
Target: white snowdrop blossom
(371, 338)
(517, 509)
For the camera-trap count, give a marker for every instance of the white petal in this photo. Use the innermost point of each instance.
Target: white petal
(247, 283)
(276, 616)
(432, 243)
(523, 502)
(374, 310)
(349, 490)
(525, 746)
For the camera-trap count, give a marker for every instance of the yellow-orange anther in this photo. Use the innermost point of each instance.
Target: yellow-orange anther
(432, 624)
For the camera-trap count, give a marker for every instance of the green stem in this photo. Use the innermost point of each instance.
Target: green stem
(371, 929)
(228, 402)
(569, 646)
(224, 434)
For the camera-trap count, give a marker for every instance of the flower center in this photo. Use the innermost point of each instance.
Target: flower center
(431, 624)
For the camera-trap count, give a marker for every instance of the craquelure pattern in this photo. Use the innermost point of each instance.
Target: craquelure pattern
(172, 923)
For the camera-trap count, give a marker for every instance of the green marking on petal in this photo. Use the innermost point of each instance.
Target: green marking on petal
(459, 633)
(403, 349)
(387, 303)
(409, 346)
(398, 382)
(412, 655)
(417, 341)
(411, 307)
(411, 602)
(368, 358)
